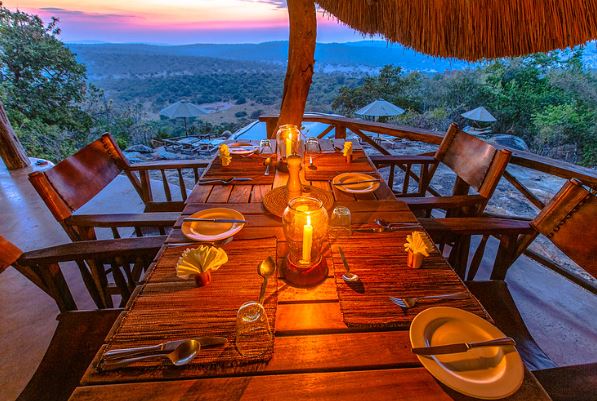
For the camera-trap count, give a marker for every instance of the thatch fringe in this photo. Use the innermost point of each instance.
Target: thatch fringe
(472, 29)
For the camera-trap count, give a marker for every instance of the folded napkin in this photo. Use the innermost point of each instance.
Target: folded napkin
(200, 260)
(224, 153)
(418, 242)
(347, 151)
(418, 247)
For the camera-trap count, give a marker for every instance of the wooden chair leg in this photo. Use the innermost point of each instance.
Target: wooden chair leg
(504, 257)
(477, 258)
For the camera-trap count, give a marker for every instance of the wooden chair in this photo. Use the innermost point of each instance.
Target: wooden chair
(125, 258)
(79, 334)
(569, 222)
(476, 163)
(72, 183)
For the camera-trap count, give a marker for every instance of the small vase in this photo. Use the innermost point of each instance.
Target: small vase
(414, 260)
(203, 279)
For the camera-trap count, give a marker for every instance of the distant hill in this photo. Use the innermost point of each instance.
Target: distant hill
(371, 54)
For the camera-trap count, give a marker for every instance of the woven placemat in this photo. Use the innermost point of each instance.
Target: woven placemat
(276, 200)
(173, 310)
(245, 167)
(380, 262)
(330, 165)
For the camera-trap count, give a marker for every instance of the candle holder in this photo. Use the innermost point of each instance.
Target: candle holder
(289, 141)
(305, 223)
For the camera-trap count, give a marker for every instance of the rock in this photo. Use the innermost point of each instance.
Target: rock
(134, 157)
(163, 154)
(510, 141)
(139, 149)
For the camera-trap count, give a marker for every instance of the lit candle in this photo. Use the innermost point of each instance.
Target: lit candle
(289, 144)
(307, 241)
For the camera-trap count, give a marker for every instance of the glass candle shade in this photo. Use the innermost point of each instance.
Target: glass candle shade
(289, 141)
(305, 223)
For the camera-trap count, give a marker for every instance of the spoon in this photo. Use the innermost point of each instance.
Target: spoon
(348, 276)
(389, 226)
(182, 355)
(267, 162)
(265, 269)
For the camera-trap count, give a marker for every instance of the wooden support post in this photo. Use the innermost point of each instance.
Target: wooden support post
(11, 150)
(301, 57)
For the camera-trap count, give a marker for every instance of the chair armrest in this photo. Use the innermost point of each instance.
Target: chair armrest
(163, 165)
(93, 249)
(406, 159)
(124, 219)
(442, 202)
(475, 226)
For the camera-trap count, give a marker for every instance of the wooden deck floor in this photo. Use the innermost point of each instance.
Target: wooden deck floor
(559, 314)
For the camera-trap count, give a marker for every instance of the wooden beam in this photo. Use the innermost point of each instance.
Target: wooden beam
(301, 58)
(11, 150)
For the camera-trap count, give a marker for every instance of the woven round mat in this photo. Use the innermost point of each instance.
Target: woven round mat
(276, 200)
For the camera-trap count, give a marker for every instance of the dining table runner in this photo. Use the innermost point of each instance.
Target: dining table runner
(242, 167)
(169, 308)
(329, 165)
(379, 260)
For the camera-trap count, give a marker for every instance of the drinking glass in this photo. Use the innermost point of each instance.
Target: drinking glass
(253, 334)
(312, 145)
(266, 146)
(340, 222)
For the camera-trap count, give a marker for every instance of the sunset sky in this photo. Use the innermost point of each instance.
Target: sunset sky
(176, 21)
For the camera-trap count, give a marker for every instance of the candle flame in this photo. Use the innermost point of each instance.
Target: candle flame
(308, 220)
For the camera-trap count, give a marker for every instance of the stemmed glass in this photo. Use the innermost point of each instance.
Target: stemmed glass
(253, 334)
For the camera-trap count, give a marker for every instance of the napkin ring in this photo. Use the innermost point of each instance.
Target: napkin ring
(203, 279)
(414, 260)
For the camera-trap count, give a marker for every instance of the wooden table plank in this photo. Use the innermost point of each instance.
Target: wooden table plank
(410, 384)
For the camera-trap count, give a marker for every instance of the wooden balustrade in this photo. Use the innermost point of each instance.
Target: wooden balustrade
(363, 129)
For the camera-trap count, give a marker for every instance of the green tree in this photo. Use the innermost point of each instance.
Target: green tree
(41, 84)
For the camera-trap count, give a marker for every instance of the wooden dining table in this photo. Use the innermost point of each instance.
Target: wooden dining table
(330, 342)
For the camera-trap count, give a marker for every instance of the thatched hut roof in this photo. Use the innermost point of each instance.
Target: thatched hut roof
(472, 29)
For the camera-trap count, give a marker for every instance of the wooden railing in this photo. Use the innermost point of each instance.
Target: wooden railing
(528, 160)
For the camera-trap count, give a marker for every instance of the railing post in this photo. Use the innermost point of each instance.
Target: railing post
(270, 127)
(340, 131)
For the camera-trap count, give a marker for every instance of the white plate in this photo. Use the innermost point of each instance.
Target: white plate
(488, 372)
(242, 148)
(363, 188)
(206, 231)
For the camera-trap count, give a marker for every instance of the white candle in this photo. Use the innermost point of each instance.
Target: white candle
(289, 144)
(307, 241)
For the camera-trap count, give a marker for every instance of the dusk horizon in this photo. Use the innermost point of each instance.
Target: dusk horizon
(178, 22)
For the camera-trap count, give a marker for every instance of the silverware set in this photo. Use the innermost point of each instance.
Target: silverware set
(409, 302)
(179, 352)
(193, 219)
(462, 347)
(224, 181)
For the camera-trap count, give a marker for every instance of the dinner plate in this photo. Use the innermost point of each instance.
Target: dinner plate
(486, 372)
(242, 148)
(207, 231)
(362, 188)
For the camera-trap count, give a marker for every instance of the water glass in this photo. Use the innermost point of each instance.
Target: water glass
(340, 222)
(253, 335)
(312, 145)
(266, 146)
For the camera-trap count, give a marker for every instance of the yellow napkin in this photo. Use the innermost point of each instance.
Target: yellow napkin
(347, 151)
(418, 242)
(225, 155)
(200, 260)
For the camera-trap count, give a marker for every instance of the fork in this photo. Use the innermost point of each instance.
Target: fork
(409, 302)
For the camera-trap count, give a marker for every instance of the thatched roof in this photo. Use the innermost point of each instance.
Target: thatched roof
(472, 29)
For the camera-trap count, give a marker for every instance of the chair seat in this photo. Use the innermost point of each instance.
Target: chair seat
(570, 383)
(496, 299)
(77, 339)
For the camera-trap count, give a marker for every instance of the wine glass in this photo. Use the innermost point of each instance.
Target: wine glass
(253, 334)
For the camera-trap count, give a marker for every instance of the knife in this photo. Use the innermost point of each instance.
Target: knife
(357, 182)
(462, 347)
(190, 219)
(160, 348)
